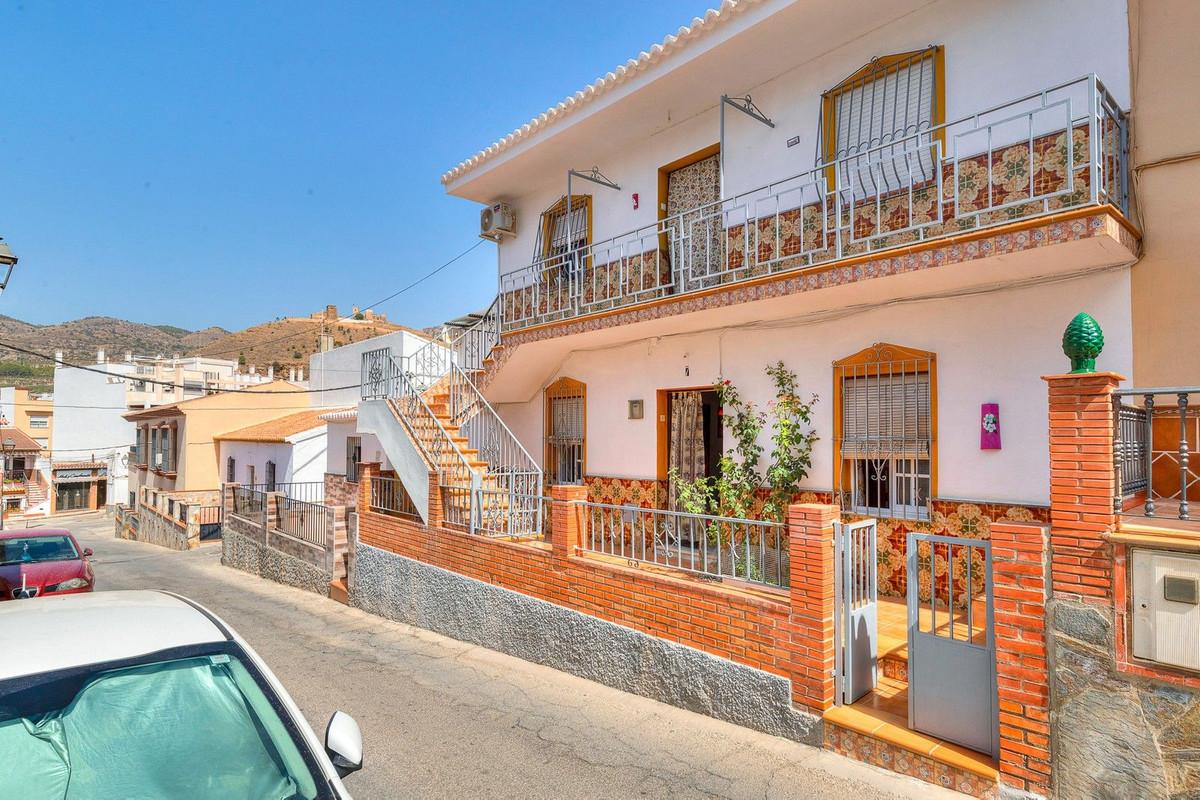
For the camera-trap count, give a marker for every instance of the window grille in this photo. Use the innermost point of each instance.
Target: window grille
(353, 457)
(556, 237)
(876, 124)
(230, 470)
(39, 422)
(887, 429)
(270, 476)
(566, 431)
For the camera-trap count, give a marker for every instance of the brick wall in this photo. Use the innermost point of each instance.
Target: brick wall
(339, 491)
(1020, 586)
(749, 626)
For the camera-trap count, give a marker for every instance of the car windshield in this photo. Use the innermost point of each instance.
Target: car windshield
(196, 727)
(32, 549)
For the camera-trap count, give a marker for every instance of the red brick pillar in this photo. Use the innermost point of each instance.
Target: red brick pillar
(437, 510)
(1082, 484)
(367, 470)
(1021, 586)
(810, 536)
(568, 522)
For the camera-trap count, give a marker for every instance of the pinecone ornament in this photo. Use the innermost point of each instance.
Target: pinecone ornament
(1082, 341)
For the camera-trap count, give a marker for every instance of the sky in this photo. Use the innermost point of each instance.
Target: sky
(227, 163)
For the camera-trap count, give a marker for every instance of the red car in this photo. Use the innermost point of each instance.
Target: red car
(43, 561)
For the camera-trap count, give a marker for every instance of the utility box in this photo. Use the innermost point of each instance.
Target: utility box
(1166, 607)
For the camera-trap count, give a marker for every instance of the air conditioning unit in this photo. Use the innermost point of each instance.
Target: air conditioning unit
(1166, 607)
(496, 221)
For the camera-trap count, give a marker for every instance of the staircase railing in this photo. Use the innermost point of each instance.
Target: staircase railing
(447, 365)
(383, 378)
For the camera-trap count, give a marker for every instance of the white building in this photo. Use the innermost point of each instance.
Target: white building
(286, 450)
(342, 366)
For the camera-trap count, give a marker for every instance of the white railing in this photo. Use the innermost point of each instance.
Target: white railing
(719, 547)
(1060, 148)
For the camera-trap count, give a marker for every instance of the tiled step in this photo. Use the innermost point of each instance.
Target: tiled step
(339, 591)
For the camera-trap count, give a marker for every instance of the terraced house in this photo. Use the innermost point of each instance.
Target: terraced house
(900, 207)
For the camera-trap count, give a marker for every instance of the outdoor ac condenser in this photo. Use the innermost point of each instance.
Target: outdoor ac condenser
(1166, 607)
(497, 220)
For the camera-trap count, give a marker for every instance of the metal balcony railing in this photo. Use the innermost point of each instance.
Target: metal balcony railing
(1061, 148)
(1154, 433)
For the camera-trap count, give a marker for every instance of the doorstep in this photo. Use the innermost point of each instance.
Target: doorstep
(874, 736)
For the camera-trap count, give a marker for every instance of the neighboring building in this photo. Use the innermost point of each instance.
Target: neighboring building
(28, 412)
(284, 450)
(25, 482)
(336, 367)
(90, 402)
(175, 446)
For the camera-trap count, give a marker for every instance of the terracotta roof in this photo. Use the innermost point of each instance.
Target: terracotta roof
(78, 465)
(20, 438)
(669, 46)
(277, 430)
(341, 415)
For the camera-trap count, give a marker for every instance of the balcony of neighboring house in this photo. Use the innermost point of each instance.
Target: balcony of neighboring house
(1038, 184)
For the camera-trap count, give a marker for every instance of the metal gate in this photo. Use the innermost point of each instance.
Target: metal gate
(951, 641)
(856, 591)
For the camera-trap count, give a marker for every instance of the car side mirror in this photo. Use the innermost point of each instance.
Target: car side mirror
(87, 552)
(343, 743)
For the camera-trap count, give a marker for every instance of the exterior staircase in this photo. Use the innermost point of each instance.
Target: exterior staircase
(487, 482)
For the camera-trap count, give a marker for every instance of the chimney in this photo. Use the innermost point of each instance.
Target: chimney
(292, 374)
(300, 375)
(252, 370)
(271, 372)
(174, 356)
(325, 342)
(129, 355)
(100, 356)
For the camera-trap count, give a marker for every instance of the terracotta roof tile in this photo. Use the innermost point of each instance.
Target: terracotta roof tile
(21, 439)
(278, 429)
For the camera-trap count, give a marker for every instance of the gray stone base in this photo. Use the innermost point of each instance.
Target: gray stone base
(462, 608)
(1115, 735)
(246, 553)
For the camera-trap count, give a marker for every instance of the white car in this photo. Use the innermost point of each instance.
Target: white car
(146, 694)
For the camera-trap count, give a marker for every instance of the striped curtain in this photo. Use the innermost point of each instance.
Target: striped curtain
(686, 454)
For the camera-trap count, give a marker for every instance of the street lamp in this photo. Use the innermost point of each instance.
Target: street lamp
(7, 262)
(10, 447)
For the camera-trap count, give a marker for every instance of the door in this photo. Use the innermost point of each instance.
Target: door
(694, 222)
(856, 591)
(101, 494)
(951, 641)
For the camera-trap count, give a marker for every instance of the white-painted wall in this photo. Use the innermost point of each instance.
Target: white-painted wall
(88, 425)
(372, 451)
(342, 366)
(301, 459)
(995, 53)
(990, 348)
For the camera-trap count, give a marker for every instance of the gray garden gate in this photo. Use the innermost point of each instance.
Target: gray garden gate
(951, 641)
(856, 591)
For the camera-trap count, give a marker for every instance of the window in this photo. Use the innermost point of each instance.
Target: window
(230, 470)
(878, 123)
(250, 475)
(353, 457)
(39, 422)
(885, 423)
(560, 233)
(566, 431)
(270, 476)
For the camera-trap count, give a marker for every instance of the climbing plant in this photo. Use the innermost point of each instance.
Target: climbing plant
(734, 490)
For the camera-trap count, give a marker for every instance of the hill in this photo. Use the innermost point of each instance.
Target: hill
(288, 342)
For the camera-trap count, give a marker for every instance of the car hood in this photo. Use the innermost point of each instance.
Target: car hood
(40, 573)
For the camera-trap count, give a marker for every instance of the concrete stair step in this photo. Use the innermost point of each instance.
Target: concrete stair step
(339, 591)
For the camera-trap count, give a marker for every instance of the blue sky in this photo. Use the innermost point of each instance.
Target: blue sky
(225, 163)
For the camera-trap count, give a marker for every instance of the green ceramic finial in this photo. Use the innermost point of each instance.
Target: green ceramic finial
(1082, 341)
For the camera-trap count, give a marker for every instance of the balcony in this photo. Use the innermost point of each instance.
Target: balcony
(1058, 150)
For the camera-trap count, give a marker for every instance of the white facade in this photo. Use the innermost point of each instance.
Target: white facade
(342, 366)
(339, 432)
(299, 459)
(991, 348)
(88, 426)
(785, 54)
